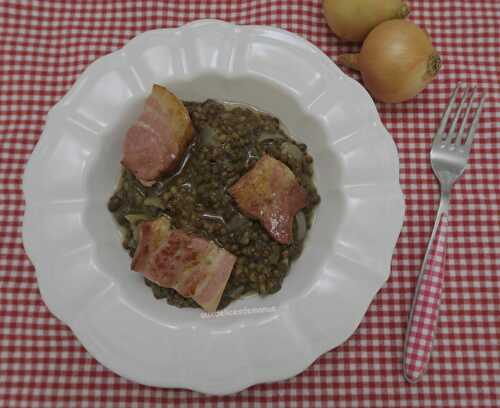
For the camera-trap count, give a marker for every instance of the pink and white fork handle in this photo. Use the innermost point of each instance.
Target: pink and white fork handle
(424, 312)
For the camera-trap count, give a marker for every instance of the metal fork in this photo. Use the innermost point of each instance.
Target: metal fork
(449, 154)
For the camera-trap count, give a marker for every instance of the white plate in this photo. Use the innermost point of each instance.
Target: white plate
(84, 274)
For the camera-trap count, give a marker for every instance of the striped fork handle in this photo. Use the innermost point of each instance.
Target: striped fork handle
(425, 308)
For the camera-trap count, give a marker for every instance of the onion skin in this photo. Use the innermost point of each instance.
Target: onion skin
(397, 60)
(352, 20)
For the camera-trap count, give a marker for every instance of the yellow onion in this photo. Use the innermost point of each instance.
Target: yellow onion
(353, 19)
(397, 60)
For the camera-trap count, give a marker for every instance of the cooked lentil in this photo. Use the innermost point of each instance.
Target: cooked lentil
(229, 140)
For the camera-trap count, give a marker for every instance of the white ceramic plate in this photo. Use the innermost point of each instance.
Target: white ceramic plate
(84, 274)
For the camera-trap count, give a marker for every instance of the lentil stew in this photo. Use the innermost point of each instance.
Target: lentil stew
(229, 139)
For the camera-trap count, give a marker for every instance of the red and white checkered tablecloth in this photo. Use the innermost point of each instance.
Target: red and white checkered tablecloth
(45, 45)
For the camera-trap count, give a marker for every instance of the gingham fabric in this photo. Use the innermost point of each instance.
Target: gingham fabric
(45, 45)
(425, 309)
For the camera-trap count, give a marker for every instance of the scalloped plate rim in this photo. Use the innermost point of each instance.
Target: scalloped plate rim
(325, 345)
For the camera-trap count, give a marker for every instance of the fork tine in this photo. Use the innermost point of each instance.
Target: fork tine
(457, 115)
(461, 131)
(475, 122)
(446, 115)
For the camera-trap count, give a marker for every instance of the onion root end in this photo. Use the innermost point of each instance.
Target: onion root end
(433, 65)
(403, 11)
